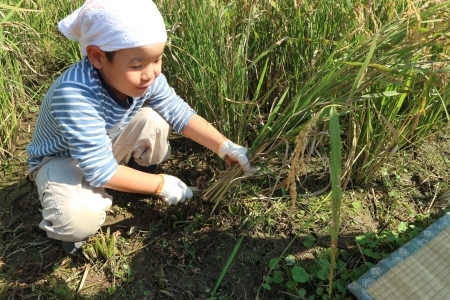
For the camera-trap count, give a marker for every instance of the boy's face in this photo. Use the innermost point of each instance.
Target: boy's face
(132, 70)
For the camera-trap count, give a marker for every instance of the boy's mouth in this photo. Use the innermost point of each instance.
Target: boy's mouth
(144, 87)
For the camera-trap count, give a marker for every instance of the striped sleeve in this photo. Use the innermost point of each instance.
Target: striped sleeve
(164, 100)
(76, 112)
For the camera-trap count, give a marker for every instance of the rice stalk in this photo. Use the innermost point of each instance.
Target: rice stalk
(383, 101)
(8, 113)
(336, 187)
(32, 53)
(298, 161)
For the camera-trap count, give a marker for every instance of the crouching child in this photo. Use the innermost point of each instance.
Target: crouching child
(105, 122)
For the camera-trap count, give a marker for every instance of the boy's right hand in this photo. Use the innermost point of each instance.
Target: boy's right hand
(173, 190)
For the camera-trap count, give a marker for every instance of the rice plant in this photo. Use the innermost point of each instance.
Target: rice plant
(32, 53)
(10, 80)
(273, 69)
(278, 74)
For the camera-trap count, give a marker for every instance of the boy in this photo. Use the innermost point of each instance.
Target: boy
(112, 107)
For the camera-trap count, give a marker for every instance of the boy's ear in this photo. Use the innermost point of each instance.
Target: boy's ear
(96, 56)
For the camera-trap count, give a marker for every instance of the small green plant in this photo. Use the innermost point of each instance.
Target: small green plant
(101, 246)
(380, 245)
(288, 276)
(309, 241)
(104, 247)
(60, 288)
(294, 280)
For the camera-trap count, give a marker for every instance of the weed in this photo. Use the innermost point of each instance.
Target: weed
(309, 241)
(291, 277)
(103, 247)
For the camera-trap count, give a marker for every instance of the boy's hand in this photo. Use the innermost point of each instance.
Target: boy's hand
(173, 190)
(233, 153)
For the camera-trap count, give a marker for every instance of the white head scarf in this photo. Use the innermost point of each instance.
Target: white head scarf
(115, 24)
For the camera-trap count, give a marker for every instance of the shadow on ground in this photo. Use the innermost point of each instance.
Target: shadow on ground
(180, 252)
(176, 252)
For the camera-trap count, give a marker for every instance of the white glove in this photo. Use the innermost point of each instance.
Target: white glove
(233, 153)
(173, 190)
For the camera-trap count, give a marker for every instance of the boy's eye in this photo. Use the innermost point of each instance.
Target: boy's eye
(136, 67)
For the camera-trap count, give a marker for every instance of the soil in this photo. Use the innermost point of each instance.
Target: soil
(179, 252)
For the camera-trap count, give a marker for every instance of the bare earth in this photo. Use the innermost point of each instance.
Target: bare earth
(180, 252)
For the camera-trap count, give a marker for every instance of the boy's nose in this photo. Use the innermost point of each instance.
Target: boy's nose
(148, 74)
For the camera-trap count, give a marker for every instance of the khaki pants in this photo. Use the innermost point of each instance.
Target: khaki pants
(72, 209)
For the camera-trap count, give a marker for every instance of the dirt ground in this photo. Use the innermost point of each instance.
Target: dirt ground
(179, 252)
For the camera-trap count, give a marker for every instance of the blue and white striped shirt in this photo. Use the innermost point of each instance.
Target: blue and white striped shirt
(79, 117)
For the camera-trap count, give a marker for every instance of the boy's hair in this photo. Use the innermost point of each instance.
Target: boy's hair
(110, 55)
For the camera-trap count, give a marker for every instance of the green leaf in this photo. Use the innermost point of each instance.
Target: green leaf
(227, 265)
(309, 241)
(302, 293)
(291, 284)
(336, 186)
(268, 279)
(274, 4)
(357, 204)
(299, 274)
(346, 274)
(266, 286)
(344, 255)
(278, 277)
(444, 70)
(322, 274)
(382, 95)
(324, 263)
(340, 285)
(319, 291)
(361, 239)
(402, 227)
(289, 260)
(273, 264)
(370, 253)
(364, 66)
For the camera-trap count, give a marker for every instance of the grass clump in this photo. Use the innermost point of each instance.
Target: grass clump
(384, 82)
(12, 90)
(292, 278)
(32, 54)
(104, 248)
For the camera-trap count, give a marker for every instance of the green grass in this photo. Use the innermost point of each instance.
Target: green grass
(32, 54)
(333, 89)
(9, 80)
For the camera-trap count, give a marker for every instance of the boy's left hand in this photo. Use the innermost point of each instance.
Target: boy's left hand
(233, 153)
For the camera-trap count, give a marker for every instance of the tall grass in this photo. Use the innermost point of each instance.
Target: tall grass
(252, 66)
(234, 59)
(32, 53)
(274, 72)
(262, 69)
(10, 79)
(405, 99)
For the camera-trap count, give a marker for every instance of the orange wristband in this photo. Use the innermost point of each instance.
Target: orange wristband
(161, 186)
